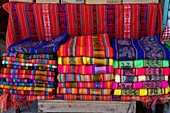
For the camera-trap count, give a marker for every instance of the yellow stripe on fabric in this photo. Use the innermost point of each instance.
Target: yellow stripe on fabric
(60, 60)
(143, 92)
(117, 92)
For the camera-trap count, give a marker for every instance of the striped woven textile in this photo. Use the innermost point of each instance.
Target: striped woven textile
(85, 69)
(85, 61)
(38, 61)
(87, 46)
(141, 92)
(46, 21)
(30, 56)
(141, 85)
(28, 64)
(140, 63)
(100, 85)
(83, 91)
(143, 71)
(130, 79)
(33, 77)
(84, 78)
(27, 72)
(27, 81)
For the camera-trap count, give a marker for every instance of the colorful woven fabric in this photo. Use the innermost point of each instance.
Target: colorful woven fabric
(140, 64)
(29, 57)
(130, 79)
(28, 64)
(45, 21)
(143, 71)
(166, 35)
(87, 46)
(83, 91)
(140, 85)
(38, 61)
(27, 81)
(141, 92)
(34, 77)
(100, 85)
(84, 78)
(29, 46)
(84, 61)
(85, 69)
(167, 44)
(27, 72)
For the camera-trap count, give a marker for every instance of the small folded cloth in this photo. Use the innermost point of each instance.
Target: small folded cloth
(83, 91)
(145, 48)
(27, 84)
(140, 85)
(27, 72)
(40, 68)
(140, 63)
(84, 61)
(100, 85)
(28, 64)
(141, 92)
(85, 69)
(30, 56)
(33, 77)
(143, 71)
(84, 78)
(130, 79)
(22, 92)
(87, 46)
(26, 81)
(34, 61)
(29, 46)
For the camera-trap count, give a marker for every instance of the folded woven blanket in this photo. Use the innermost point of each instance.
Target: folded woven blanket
(85, 69)
(83, 91)
(29, 46)
(27, 72)
(29, 56)
(141, 92)
(143, 71)
(84, 61)
(140, 63)
(33, 77)
(130, 79)
(28, 64)
(35, 61)
(87, 46)
(100, 85)
(84, 78)
(145, 48)
(141, 85)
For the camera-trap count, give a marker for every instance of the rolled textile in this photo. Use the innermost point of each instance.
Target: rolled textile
(30, 56)
(33, 77)
(140, 63)
(100, 85)
(27, 72)
(35, 61)
(85, 61)
(141, 92)
(40, 68)
(140, 85)
(28, 64)
(83, 91)
(143, 71)
(84, 78)
(129, 79)
(85, 69)
(87, 46)
(26, 81)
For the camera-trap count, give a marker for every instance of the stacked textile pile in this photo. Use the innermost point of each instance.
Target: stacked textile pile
(85, 67)
(141, 68)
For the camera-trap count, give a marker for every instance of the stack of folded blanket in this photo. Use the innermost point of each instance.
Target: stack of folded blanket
(85, 67)
(141, 67)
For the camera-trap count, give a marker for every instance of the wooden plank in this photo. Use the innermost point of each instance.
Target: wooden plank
(86, 106)
(165, 14)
